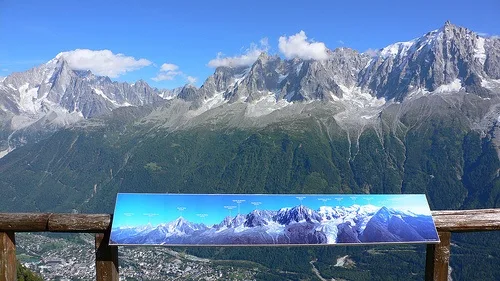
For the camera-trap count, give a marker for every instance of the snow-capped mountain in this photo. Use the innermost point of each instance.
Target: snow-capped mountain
(53, 95)
(357, 85)
(296, 225)
(54, 86)
(296, 214)
(445, 60)
(449, 59)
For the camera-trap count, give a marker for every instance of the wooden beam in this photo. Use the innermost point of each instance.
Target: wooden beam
(8, 262)
(32, 222)
(106, 258)
(88, 223)
(438, 259)
(20, 222)
(467, 220)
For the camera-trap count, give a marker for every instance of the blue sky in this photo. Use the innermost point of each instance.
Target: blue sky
(134, 209)
(182, 37)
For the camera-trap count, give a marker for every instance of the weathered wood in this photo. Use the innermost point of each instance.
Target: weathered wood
(467, 220)
(88, 223)
(7, 256)
(19, 222)
(32, 222)
(438, 259)
(106, 258)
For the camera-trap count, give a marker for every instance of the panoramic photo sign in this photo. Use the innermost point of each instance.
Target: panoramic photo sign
(243, 219)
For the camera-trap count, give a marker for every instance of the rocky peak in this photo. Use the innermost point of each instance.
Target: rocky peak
(188, 93)
(439, 60)
(296, 214)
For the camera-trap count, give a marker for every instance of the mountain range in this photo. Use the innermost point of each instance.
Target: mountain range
(414, 117)
(297, 225)
(450, 59)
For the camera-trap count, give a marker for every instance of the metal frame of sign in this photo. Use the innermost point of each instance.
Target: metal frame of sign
(271, 220)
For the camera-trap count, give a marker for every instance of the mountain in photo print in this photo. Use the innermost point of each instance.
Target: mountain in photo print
(182, 219)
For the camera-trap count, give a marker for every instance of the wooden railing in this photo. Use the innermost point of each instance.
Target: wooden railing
(437, 258)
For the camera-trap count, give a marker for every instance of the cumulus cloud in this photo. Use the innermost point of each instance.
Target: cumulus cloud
(169, 67)
(191, 79)
(297, 46)
(166, 76)
(103, 62)
(249, 56)
(168, 71)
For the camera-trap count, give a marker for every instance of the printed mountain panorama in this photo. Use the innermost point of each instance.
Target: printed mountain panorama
(414, 117)
(298, 225)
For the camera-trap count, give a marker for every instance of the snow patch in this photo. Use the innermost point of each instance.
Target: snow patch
(357, 97)
(298, 68)
(400, 48)
(491, 83)
(215, 101)
(454, 86)
(479, 51)
(265, 105)
(239, 77)
(282, 77)
(101, 94)
(430, 38)
(28, 101)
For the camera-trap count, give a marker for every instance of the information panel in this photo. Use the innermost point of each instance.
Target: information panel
(245, 219)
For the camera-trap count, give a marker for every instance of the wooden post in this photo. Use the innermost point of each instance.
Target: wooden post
(438, 259)
(8, 262)
(106, 258)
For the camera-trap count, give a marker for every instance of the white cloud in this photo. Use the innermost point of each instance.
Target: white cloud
(5, 69)
(169, 67)
(103, 62)
(170, 71)
(170, 75)
(297, 46)
(247, 58)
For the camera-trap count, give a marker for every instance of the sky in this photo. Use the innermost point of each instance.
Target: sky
(171, 43)
(136, 209)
